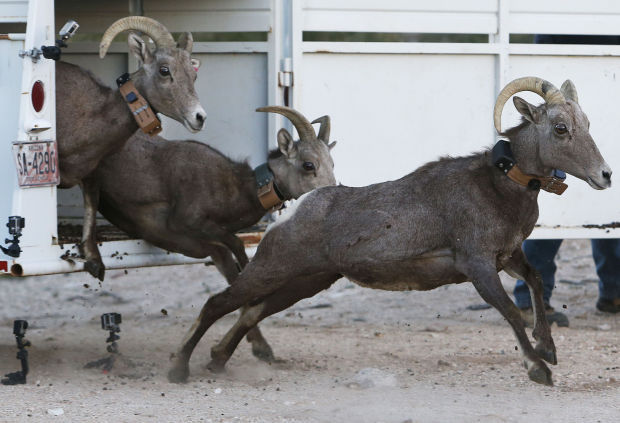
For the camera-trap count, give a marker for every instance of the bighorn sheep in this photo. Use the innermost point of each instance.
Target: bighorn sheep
(187, 197)
(450, 221)
(93, 120)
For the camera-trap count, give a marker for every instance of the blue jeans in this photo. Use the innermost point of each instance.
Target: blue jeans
(541, 254)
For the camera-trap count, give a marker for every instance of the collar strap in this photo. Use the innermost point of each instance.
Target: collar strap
(267, 191)
(142, 112)
(504, 161)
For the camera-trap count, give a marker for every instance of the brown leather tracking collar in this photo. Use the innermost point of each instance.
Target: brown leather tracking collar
(142, 112)
(547, 183)
(270, 197)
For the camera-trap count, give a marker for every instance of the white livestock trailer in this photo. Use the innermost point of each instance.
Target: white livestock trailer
(394, 104)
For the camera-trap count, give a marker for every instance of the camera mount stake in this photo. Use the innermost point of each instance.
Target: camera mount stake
(19, 377)
(109, 322)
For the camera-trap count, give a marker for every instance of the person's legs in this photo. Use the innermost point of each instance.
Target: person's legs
(606, 254)
(540, 253)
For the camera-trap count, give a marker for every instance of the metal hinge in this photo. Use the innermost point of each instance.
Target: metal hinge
(285, 76)
(34, 54)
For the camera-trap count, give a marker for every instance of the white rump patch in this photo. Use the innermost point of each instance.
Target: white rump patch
(288, 212)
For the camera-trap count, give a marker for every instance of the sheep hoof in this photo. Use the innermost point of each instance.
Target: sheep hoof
(540, 373)
(96, 268)
(263, 352)
(178, 374)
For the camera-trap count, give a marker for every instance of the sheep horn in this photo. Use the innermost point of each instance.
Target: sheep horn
(158, 33)
(324, 128)
(543, 88)
(303, 126)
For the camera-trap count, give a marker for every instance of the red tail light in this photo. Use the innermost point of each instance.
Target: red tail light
(37, 96)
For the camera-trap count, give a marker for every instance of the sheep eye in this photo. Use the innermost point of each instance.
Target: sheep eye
(164, 71)
(560, 128)
(309, 166)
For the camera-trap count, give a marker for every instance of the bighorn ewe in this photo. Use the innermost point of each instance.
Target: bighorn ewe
(94, 120)
(186, 197)
(450, 221)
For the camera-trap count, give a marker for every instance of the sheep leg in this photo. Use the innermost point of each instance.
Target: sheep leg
(254, 284)
(88, 247)
(283, 298)
(486, 281)
(519, 267)
(184, 220)
(227, 266)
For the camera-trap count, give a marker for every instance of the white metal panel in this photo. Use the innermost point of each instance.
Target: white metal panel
(461, 6)
(12, 11)
(401, 17)
(564, 23)
(10, 82)
(558, 7)
(212, 15)
(595, 17)
(230, 88)
(40, 227)
(393, 113)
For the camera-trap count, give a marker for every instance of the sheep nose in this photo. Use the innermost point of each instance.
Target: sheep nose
(200, 118)
(607, 175)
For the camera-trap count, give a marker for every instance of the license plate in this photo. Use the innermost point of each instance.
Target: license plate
(36, 163)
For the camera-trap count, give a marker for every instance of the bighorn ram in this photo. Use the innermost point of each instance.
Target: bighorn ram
(450, 221)
(94, 121)
(187, 197)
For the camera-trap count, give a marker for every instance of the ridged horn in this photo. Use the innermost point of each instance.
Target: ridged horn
(324, 128)
(303, 126)
(158, 33)
(543, 88)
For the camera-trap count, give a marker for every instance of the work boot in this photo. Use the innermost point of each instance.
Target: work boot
(527, 314)
(608, 306)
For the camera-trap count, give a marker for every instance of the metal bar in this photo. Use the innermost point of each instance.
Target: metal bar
(199, 47)
(397, 48)
(113, 256)
(460, 48)
(274, 55)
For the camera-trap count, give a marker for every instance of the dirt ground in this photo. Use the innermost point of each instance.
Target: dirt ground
(349, 354)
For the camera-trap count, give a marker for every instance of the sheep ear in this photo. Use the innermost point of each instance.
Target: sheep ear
(331, 145)
(528, 111)
(195, 64)
(286, 144)
(138, 48)
(186, 41)
(569, 91)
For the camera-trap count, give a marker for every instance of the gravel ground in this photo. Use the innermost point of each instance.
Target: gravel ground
(349, 354)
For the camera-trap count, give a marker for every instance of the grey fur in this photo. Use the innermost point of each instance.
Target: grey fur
(450, 221)
(93, 120)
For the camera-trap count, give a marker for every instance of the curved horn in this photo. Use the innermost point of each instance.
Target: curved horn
(158, 33)
(303, 126)
(543, 88)
(324, 128)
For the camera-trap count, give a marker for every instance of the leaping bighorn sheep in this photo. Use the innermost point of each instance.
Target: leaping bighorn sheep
(450, 221)
(94, 120)
(187, 197)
